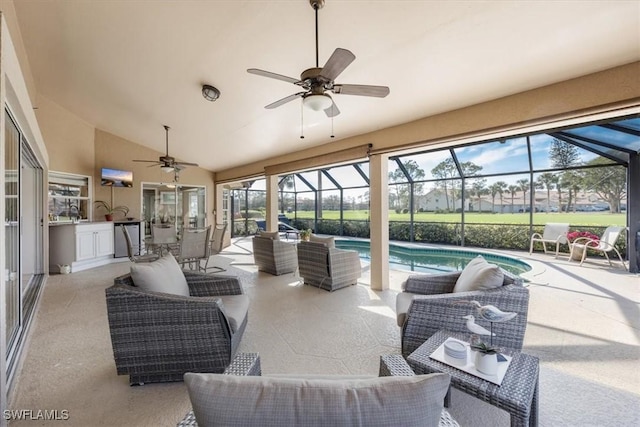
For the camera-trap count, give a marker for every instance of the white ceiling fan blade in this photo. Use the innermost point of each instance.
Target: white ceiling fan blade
(284, 100)
(271, 75)
(362, 90)
(339, 60)
(332, 111)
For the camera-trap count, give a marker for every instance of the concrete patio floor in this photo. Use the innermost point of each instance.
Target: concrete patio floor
(583, 324)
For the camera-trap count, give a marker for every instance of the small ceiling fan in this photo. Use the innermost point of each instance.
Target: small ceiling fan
(317, 81)
(166, 162)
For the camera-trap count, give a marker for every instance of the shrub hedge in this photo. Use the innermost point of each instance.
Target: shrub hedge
(491, 236)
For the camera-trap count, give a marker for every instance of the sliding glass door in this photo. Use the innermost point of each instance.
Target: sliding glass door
(173, 204)
(24, 222)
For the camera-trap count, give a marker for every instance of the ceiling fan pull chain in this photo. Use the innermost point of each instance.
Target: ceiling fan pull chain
(301, 120)
(332, 135)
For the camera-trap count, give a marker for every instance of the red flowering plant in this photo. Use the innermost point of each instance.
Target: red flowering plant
(584, 236)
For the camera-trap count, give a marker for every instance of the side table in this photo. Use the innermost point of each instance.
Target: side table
(518, 393)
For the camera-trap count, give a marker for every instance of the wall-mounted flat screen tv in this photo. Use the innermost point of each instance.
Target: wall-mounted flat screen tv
(116, 178)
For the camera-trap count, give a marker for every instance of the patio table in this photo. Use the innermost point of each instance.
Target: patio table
(518, 393)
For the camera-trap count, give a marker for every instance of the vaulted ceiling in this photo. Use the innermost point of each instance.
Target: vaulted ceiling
(128, 67)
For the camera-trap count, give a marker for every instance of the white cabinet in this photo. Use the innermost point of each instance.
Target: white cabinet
(94, 240)
(82, 246)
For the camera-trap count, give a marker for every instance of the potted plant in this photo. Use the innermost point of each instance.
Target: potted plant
(110, 210)
(305, 234)
(486, 360)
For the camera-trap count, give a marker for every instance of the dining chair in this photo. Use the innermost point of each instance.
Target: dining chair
(164, 236)
(194, 247)
(134, 252)
(216, 245)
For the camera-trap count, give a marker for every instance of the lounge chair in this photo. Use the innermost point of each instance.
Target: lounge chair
(554, 232)
(428, 303)
(605, 244)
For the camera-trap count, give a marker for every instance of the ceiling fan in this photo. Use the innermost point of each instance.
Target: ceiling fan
(317, 81)
(166, 162)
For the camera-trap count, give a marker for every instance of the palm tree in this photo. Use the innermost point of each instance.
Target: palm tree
(479, 190)
(502, 188)
(524, 186)
(547, 180)
(512, 189)
(287, 182)
(494, 189)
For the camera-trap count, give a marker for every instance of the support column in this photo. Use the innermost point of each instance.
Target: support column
(379, 225)
(272, 203)
(633, 213)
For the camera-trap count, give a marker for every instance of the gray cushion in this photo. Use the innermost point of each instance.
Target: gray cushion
(230, 400)
(403, 301)
(273, 235)
(478, 275)
(329, 242)
(235, 307)
(163, 275)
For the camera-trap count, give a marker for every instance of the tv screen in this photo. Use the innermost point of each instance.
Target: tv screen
(116, 178)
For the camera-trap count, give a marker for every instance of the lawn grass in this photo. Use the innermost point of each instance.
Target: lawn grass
(578, 218)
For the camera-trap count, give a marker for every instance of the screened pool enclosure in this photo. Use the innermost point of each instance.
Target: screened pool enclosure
(490, 194)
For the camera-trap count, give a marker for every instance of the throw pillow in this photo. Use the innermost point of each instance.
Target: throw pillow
(327, 241)
(230, 400)
(479, 274)
(273, 235)
(163, 275)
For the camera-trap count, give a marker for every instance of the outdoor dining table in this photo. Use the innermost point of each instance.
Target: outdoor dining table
(160, 243)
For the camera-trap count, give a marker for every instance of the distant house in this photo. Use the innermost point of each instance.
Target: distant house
(436, 200)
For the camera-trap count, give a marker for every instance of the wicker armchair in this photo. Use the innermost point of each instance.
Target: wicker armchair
(157, 337)
(328, 268)
(273, 256)
(432, 306)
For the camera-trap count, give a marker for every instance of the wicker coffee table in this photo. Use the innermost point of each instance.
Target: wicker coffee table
(518, 394)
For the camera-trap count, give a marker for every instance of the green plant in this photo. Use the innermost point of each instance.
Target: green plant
(482, 347)
(305, 234)
(110, 210)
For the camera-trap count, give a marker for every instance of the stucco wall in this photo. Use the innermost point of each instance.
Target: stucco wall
(114, 152)
(69, 140)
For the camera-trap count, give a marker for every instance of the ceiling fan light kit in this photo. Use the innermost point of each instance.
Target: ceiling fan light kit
(210, 93)
(317, 102)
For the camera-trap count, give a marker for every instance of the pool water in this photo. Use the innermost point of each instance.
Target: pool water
(433, 260)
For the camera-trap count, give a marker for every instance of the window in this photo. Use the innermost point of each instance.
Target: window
(69, 197)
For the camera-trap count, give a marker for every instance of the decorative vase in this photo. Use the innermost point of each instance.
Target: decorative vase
(486, 363)
(577, 251)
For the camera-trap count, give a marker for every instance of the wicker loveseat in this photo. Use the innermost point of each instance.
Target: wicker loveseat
(317, 400)
(273, 256)
(157, 337)
(326, 267)
(428, 304)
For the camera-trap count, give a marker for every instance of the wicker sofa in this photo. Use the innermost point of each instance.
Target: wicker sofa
(273, 256)
(326, 267)
(157, 337)
(248, 364)
(428, 304)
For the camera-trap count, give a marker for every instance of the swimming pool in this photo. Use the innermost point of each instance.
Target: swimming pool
(433, 260)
